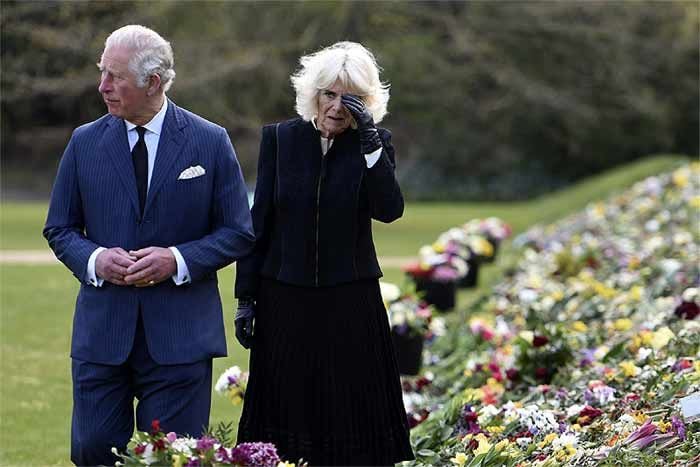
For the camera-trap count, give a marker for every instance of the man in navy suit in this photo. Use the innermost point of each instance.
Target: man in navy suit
(149, 202)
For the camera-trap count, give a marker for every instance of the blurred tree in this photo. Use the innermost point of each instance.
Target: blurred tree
(490, 100)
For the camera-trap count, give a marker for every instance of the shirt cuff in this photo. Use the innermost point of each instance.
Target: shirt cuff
(373, 158)
(182, 276)
(91, 275)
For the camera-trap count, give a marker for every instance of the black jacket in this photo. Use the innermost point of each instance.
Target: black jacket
(312, 213)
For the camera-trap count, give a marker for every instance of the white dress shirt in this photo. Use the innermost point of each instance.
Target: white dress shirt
(151, 137)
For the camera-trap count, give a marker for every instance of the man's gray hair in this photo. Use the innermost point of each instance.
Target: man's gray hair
(152, 54)
(351, 64)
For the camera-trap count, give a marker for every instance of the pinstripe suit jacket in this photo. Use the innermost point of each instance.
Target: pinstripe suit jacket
(95, 203)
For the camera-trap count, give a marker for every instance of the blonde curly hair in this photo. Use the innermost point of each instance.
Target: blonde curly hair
(347, 62)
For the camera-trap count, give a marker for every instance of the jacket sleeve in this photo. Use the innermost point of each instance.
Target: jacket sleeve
(263, 212)
(385, 199)
(231, 236)
(65, 224)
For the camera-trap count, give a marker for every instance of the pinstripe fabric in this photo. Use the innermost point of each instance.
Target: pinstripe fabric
(95, 203)
(179, 396)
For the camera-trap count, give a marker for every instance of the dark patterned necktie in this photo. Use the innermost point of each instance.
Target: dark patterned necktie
(140, 158)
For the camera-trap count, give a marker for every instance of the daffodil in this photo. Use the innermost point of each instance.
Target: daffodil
(459, 459)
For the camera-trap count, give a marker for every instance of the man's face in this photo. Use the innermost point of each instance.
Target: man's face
(333, 118)
(118, 87)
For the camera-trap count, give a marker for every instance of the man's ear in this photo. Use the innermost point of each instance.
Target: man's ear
(153, 85)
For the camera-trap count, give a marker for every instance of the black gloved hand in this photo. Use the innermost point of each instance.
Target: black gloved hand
(244, 321)
(369, 137)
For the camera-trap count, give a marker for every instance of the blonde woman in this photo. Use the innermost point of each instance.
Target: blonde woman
(324, 384)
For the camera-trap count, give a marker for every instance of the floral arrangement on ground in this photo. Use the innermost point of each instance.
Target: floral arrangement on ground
(581, 355)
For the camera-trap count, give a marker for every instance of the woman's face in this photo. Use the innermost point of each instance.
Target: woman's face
(333, 118)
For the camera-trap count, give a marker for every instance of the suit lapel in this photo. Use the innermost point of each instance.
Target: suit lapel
(116, 145)
(171, 142)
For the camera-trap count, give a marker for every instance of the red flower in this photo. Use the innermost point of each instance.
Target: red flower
(139, 449)
(512, 374)
(415, 270)
(687, 310)
(470, 416)
(541, 373)
(486, 334)
(159, 445)
(539, 341)
(155, 427)
(588, 414)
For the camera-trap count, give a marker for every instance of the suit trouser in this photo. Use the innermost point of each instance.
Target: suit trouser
(179, 396)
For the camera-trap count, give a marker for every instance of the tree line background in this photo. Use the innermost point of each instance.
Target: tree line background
(490, 100)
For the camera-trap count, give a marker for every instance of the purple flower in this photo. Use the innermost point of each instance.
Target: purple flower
(255, 455)
(588, 357)
(193, 462)
(205, 443)
(643, 436)
(678, 427)
(232, 380)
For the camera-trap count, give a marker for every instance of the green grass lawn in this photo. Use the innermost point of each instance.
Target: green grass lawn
(36, 306)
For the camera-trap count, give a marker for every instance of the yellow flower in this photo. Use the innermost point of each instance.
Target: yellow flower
(680, 177)
(286, 464)
(663, 426)
(623, 324)
(178, 460)
(662, 337)
(640, 417)
(484, 445)
(579, 326)
(547, 440)
(501, 445)
(695, 202)
(438, 247)
(634, 263)
(472, 394)
(576, 427)
(629, 369)
(468, 372)
(636, 292)
(602, 289)
(459, 459)
(646, 337)
(496, 429)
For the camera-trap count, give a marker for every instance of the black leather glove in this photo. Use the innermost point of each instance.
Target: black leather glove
(369, 137)
(244, 321)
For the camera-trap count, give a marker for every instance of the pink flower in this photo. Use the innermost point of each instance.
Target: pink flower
(171, 437)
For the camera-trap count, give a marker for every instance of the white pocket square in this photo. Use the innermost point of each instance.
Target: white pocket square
(192, 172)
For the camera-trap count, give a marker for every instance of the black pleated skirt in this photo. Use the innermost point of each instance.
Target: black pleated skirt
(324, 384)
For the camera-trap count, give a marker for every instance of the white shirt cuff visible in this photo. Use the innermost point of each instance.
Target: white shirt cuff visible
(182, 276)
(91, 275)
(373, 158)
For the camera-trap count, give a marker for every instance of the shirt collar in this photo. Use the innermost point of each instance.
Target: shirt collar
(313, 122)
(156, 123)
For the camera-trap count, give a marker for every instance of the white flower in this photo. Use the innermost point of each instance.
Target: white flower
(564, 440)
(184, 445)
(222, 384)
(574, 410)
(390, 292)
(643, 353)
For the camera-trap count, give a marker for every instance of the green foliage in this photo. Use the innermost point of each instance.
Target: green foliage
(490, 100)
